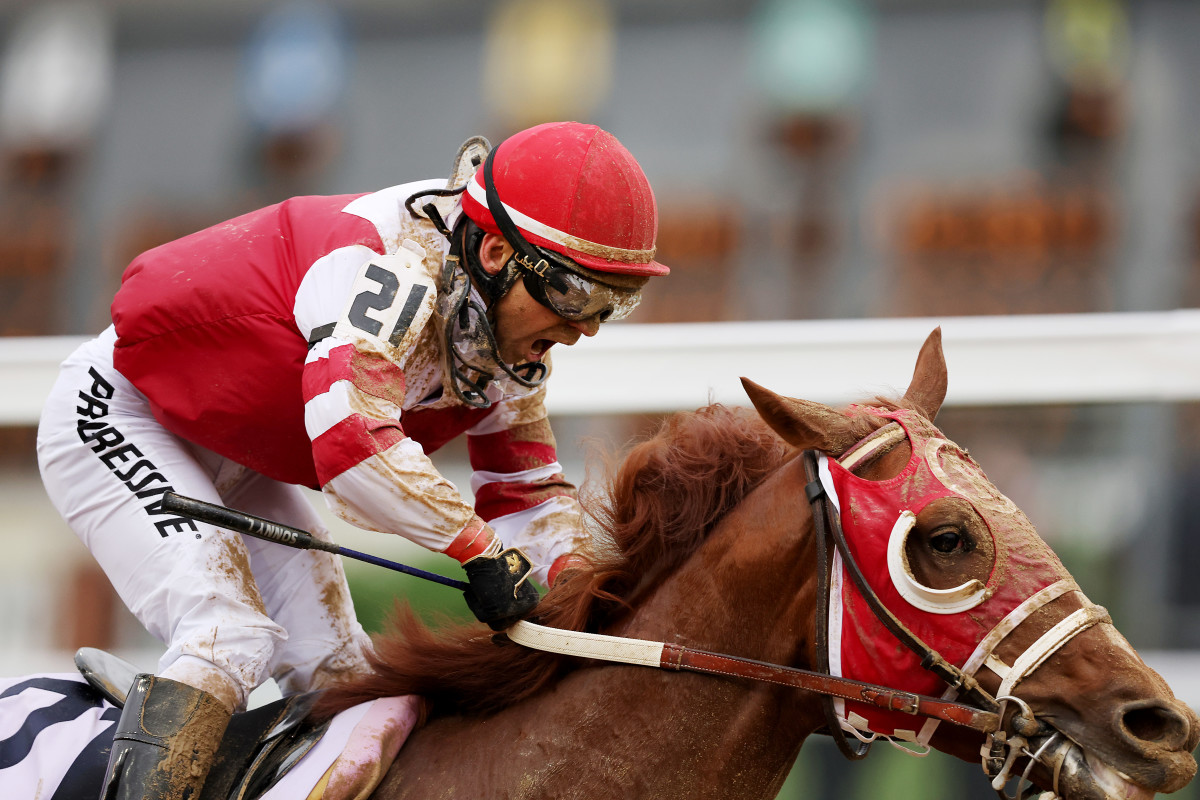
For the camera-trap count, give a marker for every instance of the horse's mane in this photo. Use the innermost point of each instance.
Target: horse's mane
(658, 506)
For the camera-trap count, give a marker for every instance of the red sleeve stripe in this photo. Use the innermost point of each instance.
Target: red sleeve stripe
(352, 441)
(320, 374)
(472, 541)
(369, 373)
(514, 450)
(496, 500)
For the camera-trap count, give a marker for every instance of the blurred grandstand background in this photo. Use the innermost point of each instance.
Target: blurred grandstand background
(839, 161)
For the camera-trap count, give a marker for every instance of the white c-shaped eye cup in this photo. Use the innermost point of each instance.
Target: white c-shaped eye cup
(935, 601)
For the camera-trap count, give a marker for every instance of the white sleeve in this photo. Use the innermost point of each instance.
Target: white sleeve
(354, 384)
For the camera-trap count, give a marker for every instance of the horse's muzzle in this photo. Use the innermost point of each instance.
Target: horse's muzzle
(1157, 738)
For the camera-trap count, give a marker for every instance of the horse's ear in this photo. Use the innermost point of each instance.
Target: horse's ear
(801, 422)
(928, 387)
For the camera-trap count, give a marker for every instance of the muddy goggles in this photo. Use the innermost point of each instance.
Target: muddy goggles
(572, 295)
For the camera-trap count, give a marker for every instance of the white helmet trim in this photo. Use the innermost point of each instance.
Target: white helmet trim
(532, 226)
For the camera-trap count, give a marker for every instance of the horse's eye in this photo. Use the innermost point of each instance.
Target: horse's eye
(947, 541)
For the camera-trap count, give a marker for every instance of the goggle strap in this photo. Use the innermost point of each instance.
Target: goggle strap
(430, 210)
(508, 228)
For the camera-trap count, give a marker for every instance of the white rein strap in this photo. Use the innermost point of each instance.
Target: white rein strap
(587, 645)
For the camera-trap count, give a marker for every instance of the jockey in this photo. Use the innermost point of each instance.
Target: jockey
(333, 342)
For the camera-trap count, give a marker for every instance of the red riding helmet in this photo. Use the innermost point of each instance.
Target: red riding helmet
(574, 189)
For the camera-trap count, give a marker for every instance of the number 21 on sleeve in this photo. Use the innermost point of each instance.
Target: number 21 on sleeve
(391, 296)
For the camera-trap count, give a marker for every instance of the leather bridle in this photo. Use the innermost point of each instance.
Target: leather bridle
(1015, 733)
(828, 528)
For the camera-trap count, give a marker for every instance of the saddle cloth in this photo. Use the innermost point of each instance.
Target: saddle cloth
(56, 732)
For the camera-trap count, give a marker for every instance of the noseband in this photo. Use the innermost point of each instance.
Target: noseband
(1009, 735)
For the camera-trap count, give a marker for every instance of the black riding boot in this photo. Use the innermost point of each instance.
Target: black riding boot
(165, 741)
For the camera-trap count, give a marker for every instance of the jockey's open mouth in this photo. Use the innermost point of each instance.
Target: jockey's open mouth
(540, 347)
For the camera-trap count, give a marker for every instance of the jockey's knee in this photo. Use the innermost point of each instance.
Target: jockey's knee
(309, 666)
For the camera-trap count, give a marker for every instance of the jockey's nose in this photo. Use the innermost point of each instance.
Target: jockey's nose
(588, 327)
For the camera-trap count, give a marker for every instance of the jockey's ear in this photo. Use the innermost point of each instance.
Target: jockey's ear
(801, 422)
(928, 387)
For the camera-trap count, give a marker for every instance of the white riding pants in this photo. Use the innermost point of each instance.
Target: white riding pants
(250, 608)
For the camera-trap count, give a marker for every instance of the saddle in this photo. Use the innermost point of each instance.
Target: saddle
(259, 746)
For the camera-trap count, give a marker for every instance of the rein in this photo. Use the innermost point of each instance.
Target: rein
(677, 658)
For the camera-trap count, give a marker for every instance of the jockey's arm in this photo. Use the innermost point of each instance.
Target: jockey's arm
(354, 385)
(375, 477)
(371, 473)
(355, 392)
(519, 486)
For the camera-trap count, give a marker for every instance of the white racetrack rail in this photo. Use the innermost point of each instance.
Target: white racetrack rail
(993, 361)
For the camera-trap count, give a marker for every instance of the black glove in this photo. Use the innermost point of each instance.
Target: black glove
(500, 593)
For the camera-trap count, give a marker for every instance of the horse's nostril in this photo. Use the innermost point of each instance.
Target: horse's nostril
(1154, 723)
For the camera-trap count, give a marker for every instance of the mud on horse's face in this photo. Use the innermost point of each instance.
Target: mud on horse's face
(963, 569)
(947, 554)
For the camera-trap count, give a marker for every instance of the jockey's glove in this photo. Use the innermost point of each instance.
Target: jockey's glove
(500, 593)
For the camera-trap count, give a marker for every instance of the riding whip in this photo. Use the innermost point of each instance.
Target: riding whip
(260, 528)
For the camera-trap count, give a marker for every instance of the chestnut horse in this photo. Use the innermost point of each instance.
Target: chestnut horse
(714, 547)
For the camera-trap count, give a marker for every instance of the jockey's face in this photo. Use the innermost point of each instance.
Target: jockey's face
(524, 328)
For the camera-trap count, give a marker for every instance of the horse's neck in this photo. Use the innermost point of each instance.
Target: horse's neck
(635, 732)
(749, 589)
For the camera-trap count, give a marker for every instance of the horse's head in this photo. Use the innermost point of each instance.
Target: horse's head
(962, 569)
